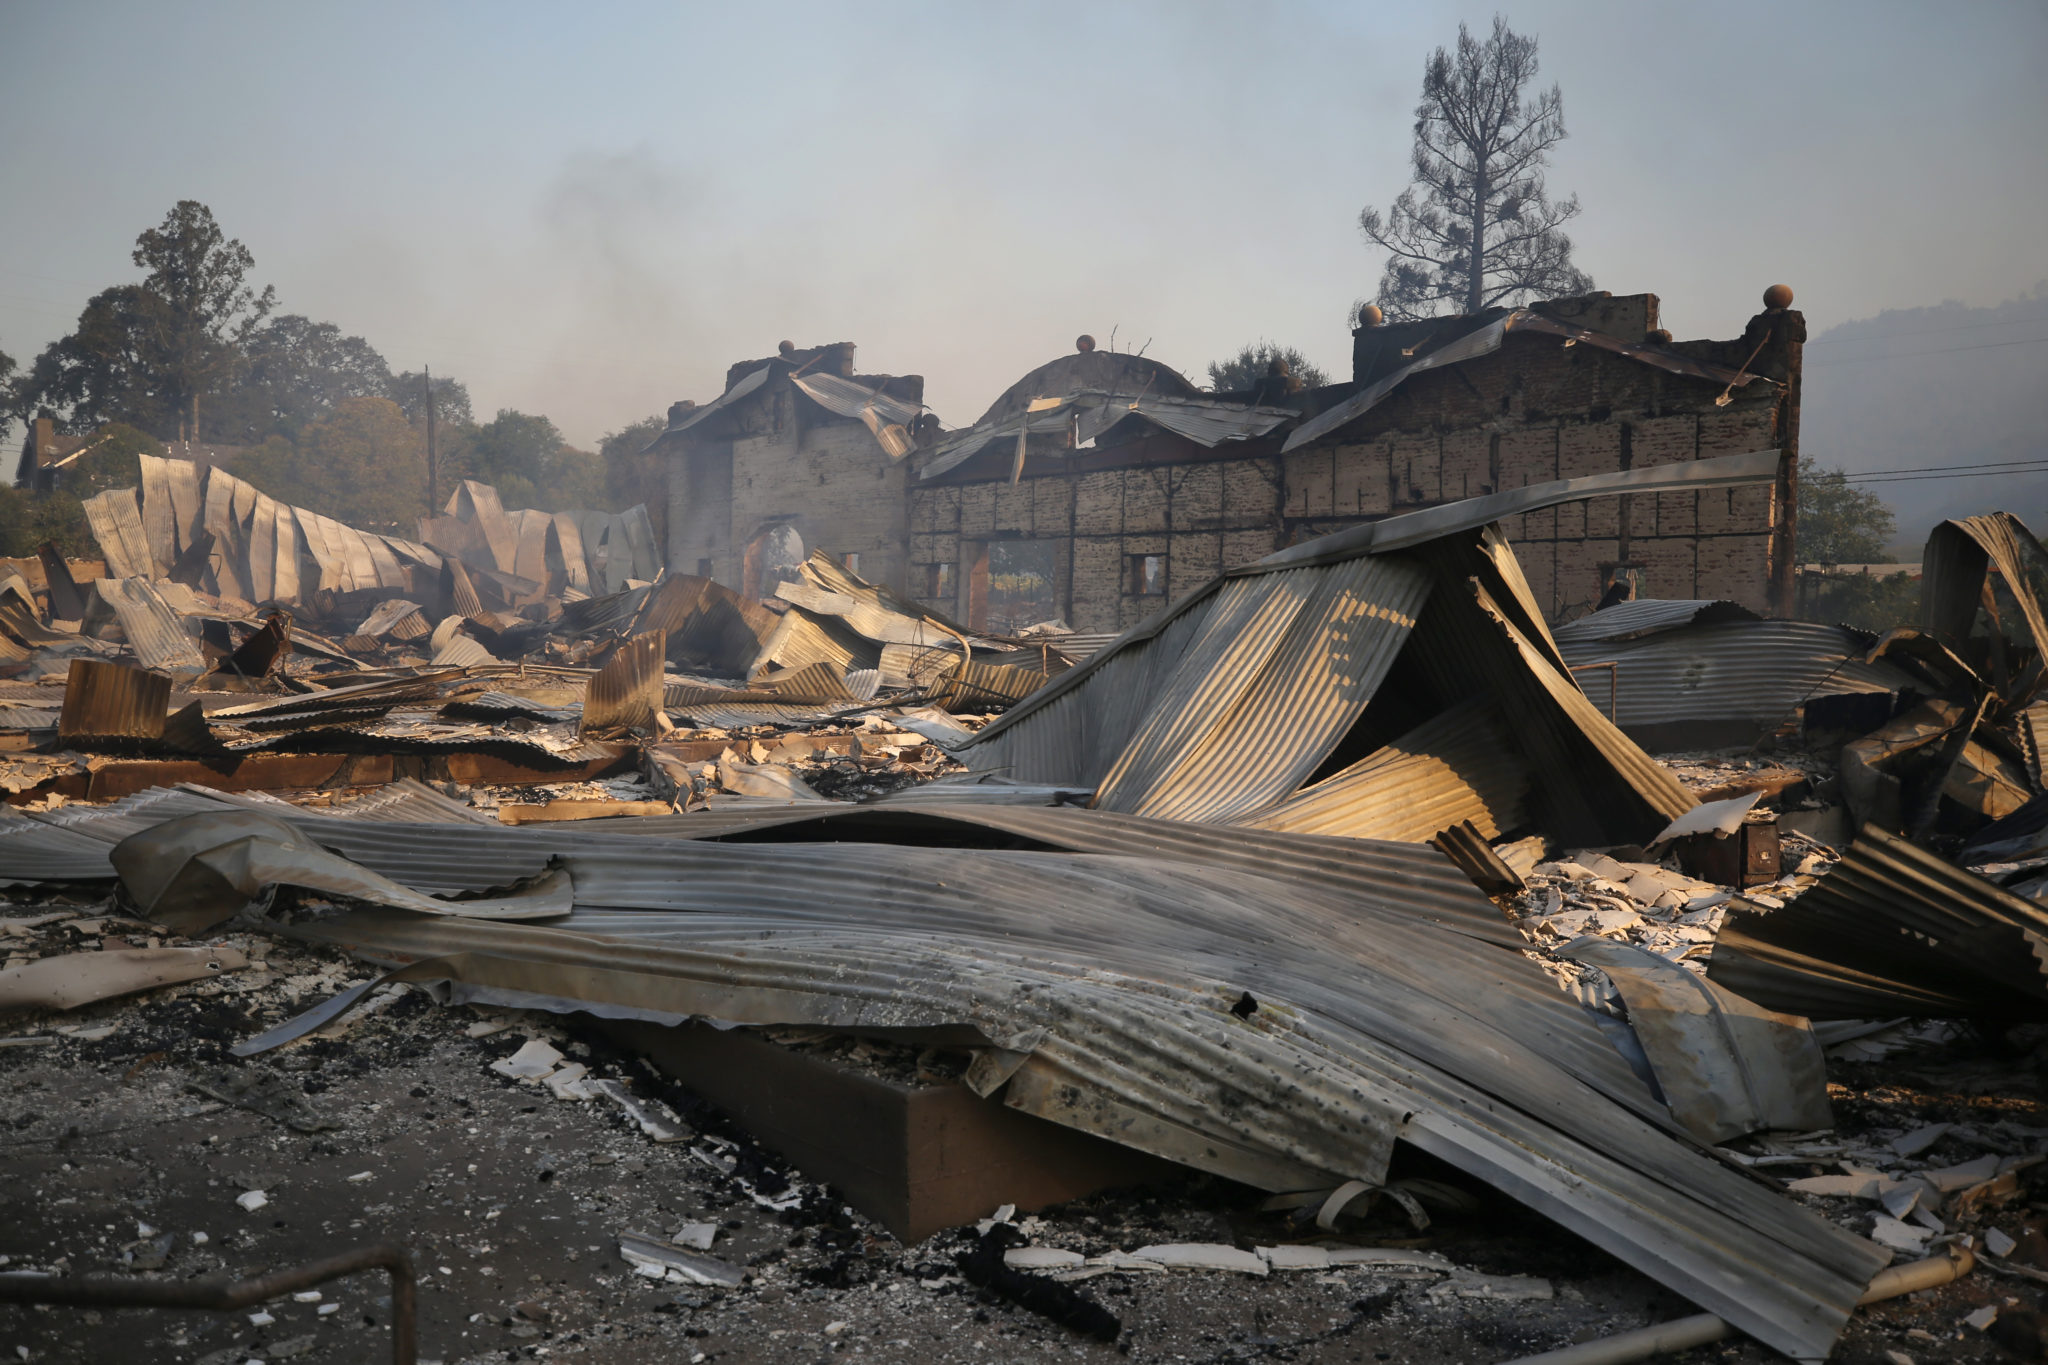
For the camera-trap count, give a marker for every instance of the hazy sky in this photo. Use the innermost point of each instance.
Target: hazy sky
(590, 211)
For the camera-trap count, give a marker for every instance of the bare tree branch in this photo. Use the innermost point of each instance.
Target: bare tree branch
(1483, 231)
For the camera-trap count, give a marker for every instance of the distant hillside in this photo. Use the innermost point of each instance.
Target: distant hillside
(1945, 386)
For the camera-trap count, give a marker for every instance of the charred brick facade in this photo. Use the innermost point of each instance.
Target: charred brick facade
(1122, 528)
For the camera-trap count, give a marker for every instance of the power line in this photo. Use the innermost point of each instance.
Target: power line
(1942, 468)
(1980, 474)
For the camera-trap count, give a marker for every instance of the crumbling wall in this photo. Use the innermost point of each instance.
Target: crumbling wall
(1535, 411)
(1201, 514)
(791, 464)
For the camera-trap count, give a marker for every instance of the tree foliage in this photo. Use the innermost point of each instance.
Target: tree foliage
(196, 303)
(294, 372)
(362, 463)
(1249, 367)
(631, 475)
(526, 459)
(1840, 523)
(29, 520)
(1477, 228)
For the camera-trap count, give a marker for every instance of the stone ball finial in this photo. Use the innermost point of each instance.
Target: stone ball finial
(1370, 315)
(1778, 296)
(1084, 342)
(785, 347)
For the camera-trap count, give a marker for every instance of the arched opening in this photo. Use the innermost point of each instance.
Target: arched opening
(771, 557)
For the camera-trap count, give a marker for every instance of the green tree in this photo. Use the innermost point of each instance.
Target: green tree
(525, 458)
(7, 368)
(108, 461)
(362, 464)
(293, 372)
(146, 353)
(632, 475)
(451, 399)
(1248, 369)
(1840, 523)
(1483, 232)
(28, 520)
(198, 304)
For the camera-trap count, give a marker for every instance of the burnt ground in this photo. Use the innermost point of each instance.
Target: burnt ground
(511, 1201)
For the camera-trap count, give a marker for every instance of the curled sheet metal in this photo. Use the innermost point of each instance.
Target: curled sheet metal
(626, 692)
(1645, 616)
(1892, 930)
(68, 980)
(1115, 976)
(152, 628)
(1311, 645)
(1726, 1066)
(1446, 771)
(198, 870)
(1955, 567)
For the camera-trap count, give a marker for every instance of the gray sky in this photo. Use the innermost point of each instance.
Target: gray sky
(591, 211)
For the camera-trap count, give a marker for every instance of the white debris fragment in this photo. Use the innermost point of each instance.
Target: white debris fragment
(1982, 1318)
(252, 1200)
(261, 1319)
(536, 1058)
(567, 1083)
(307, 1296)
(1920, 1139)
(327, 1308)
(653, 1118)
(1042, 1258)
(1998, 1243)
(1295, 1257)
(1899, 1236)
(697, 1236)
(1508, 1288)
(1202, 1256)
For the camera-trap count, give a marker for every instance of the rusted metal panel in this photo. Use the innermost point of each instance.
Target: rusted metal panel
(250, 772)
(104, 700)
(626, 692)
(1892, 930)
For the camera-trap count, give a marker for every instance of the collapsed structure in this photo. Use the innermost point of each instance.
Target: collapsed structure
(1280, 879)
(1101, 485)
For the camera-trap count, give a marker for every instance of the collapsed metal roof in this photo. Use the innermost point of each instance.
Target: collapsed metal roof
(1097, 990)
(1085, 416)
(1261, 673)
(1485, 339)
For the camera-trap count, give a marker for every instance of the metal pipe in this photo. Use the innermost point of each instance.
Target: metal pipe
(123, 1291)
(1682, 1334)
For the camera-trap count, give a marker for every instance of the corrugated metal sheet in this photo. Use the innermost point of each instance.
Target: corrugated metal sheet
(1486, 338)
(1447, 770)
(1088, 414)
(1282, 669)
(1891, 930)
(747, 384)
(115, 517)
(739, 715)
(1645, 616)
(800, 639)
(152, 628)
(1953, 570)
(626, 692)
(1114, 974)
(106, 700)
(1746, 670)
(884, 416)
(26, 718)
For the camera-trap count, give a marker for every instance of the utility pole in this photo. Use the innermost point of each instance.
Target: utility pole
(433, 469)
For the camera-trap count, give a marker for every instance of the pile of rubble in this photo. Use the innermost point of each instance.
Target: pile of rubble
(885, 956)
